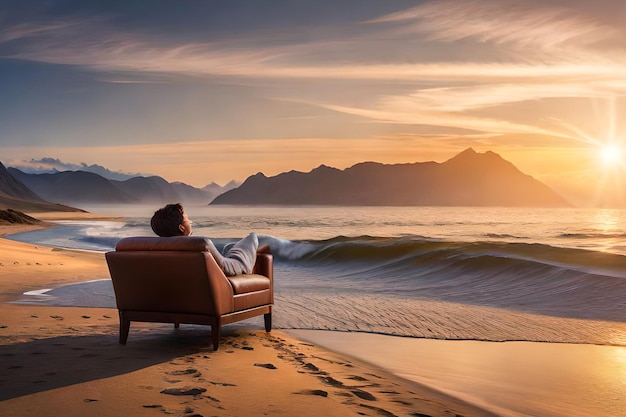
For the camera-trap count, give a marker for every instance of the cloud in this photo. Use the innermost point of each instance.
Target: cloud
(500, 22)
(475, 97)
(461, 107)
(96, 43)
(500, 52)
(26, 30)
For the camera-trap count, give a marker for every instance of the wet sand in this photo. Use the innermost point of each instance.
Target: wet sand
(511, 379)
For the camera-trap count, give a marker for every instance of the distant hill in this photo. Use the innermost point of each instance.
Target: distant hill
(216, 189)
(469, 179)
(16, 195)
(80, 187)
(148, 189)
(10, 216)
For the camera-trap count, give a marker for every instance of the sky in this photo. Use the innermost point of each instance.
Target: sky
(218, 90)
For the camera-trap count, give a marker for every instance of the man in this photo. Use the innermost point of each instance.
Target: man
(171, 220)
(239, 258)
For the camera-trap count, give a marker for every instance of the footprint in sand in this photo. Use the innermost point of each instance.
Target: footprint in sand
(386, 413)
(223, 384)
(191, 371)
(364, 395)
(319, 392)
(311, 367)
(57, 317)
(266, 365)
(329, 380)
(183, 391)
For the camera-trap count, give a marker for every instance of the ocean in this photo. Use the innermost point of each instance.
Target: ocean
(568, 263)
(472, 275)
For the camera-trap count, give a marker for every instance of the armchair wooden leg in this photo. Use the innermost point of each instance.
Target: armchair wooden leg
(215, 335)
(268, 322)
(124, 328)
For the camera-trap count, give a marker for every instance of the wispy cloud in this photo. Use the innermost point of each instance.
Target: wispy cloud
(25, 30)
(398, 112)
(91, 42)
(501, 22)
(460, 107)
(480, 96)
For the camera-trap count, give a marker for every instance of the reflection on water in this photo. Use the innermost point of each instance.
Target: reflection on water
(608, 220)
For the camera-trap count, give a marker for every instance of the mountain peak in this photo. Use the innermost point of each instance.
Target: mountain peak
(488, 160)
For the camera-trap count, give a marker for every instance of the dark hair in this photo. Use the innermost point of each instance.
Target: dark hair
(166, 221)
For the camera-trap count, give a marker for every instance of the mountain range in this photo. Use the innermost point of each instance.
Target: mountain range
(469, 179)
(78, 188)
(48, 165)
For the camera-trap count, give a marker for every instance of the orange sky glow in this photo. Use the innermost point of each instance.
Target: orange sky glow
(540, 83)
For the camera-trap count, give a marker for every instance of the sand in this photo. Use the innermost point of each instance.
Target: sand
(67, 360)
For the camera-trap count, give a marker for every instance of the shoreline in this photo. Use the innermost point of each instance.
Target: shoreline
(67, 360)
(513, 378)
(46, 220)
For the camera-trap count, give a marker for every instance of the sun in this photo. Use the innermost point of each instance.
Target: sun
(611, 155)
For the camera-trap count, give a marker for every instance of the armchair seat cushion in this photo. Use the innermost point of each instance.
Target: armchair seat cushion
(243, 284)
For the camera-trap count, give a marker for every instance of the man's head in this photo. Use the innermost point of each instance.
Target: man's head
(171, 220)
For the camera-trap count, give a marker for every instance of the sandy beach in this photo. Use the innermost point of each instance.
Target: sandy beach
(67, 360)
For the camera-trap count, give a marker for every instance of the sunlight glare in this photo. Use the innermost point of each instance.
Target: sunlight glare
(610, 154)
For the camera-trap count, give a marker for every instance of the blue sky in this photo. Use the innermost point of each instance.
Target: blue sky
(202, 91)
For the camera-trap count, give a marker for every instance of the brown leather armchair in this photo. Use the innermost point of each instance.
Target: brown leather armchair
(177, 280)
